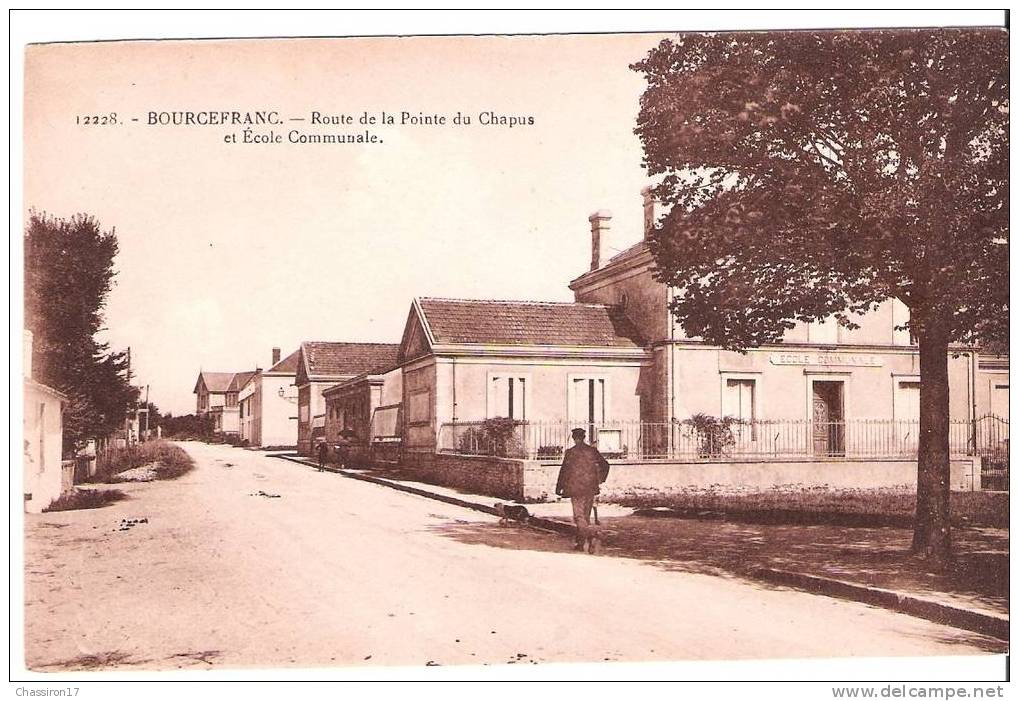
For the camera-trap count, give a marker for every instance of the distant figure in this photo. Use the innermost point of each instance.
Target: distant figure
(323, 455)
(583, 470)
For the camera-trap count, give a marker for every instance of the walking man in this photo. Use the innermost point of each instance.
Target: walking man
(583, 470)
(323, 455)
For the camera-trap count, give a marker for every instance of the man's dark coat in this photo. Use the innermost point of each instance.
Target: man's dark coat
(583, 470)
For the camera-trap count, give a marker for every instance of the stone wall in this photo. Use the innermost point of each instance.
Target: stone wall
(496, 477)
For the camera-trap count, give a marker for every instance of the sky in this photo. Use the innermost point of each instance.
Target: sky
(230, 249)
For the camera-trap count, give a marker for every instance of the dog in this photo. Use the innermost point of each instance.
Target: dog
(511, 512)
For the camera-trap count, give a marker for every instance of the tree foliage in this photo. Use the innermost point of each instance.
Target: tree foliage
(810, 174)
(187, 426)
(68, 275)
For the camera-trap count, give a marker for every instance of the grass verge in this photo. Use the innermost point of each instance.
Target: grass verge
(847, 506)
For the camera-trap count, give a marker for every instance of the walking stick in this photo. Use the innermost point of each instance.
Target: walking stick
(594, 505)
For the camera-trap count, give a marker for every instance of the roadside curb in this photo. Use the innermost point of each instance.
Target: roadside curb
(539, 522)
(983, 623)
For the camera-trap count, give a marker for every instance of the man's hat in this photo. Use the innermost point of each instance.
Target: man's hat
(578, 433)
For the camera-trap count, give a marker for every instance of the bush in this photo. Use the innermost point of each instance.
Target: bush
(168, 460)
(85, 499)
(714, 435)
(496, 437)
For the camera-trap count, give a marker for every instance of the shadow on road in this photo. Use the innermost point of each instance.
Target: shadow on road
(877, 557)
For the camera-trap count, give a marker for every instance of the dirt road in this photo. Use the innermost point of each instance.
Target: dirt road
(334, 571)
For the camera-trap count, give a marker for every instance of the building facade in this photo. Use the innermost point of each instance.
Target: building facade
(352, 405)
(323, 364)
(43, 439)
(267, 405)
(820, 372)
(466, 361)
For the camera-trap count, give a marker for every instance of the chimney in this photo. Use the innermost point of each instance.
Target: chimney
(599, 232)
(275, 356)
(26, 350)
(649, 210)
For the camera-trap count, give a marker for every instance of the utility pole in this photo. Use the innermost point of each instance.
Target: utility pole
(127, 420)
(146, 412)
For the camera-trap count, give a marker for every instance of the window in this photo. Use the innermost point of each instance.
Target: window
(740, 402)
(825, 332)
(507, 396)
(304, 411)
(587, 401)
(999, 400)
(738, 399)
(907, 401)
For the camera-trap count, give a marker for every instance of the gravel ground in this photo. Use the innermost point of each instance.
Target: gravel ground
(250, 560)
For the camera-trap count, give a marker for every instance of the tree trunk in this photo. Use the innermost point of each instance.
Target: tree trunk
(932, 538)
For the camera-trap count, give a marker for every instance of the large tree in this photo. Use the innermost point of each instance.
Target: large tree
(810, 174)
(68, 275)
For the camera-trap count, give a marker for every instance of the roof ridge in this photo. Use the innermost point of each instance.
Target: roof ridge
(534, 302)
(350, 343)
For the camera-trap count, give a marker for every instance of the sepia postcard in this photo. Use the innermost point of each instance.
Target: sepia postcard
(519, 354)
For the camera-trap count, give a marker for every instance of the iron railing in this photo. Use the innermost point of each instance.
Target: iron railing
(722, 440)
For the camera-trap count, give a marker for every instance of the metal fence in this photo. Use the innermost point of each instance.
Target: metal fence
(707, 439)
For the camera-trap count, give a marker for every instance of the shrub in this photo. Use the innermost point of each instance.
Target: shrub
(85, 499)
(714, 435)
(168, 460)
(497, 437)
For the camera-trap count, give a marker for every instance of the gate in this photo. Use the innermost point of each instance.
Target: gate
(990, 442)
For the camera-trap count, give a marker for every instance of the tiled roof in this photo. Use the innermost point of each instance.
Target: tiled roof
(288, 365)
(326, 358)
(216, 381)
(241, 379)
(469, 321)
(633, 250)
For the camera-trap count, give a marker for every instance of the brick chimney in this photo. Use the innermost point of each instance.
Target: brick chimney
(650, 213)
(275, 356)
(599, 232)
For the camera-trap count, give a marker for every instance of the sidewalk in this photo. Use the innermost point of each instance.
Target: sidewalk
(869, 564)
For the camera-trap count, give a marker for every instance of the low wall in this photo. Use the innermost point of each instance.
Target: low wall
(532, 480)
(662, 477)
(502, 478)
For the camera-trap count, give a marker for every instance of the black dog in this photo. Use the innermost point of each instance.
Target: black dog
(511, 512)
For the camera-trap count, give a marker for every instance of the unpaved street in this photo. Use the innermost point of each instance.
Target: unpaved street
(336, 571)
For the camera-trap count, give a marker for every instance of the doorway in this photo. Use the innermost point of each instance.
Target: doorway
(828, 418)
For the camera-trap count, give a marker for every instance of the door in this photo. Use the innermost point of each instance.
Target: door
(828, 427)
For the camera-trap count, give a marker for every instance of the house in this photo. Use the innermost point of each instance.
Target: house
(323, 364)
(267, 404)
(216, 395)
(45, 477)
(821, 372)
(465, 361)
(364, 410)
